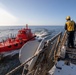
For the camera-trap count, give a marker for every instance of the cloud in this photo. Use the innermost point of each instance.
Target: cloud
(7, 18)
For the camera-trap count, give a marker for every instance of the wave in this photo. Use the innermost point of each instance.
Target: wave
(41, 33)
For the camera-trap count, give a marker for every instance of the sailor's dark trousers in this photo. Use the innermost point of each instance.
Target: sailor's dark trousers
(70, 38)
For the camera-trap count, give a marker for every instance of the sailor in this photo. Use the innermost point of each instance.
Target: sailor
(70, 28)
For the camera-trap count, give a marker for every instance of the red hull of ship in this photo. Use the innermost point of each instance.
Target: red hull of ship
(22, 37)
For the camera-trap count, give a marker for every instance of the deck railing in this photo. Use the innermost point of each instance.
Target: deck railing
(47, 56)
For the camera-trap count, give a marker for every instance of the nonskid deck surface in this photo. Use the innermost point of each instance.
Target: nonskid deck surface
(71, 55)
(62, 69)
(67, 66)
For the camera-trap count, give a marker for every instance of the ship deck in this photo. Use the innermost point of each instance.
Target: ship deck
(71, 55)
(66, 66)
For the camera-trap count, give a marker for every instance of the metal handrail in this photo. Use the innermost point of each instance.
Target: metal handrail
(40, 51)
(62, 43)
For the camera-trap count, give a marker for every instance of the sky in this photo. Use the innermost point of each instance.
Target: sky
(36, 12)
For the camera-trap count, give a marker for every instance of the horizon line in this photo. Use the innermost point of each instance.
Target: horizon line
(31, 25)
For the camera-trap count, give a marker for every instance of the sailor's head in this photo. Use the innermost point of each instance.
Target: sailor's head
(68, 18)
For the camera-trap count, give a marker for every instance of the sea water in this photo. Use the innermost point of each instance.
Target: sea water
(7, 31)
